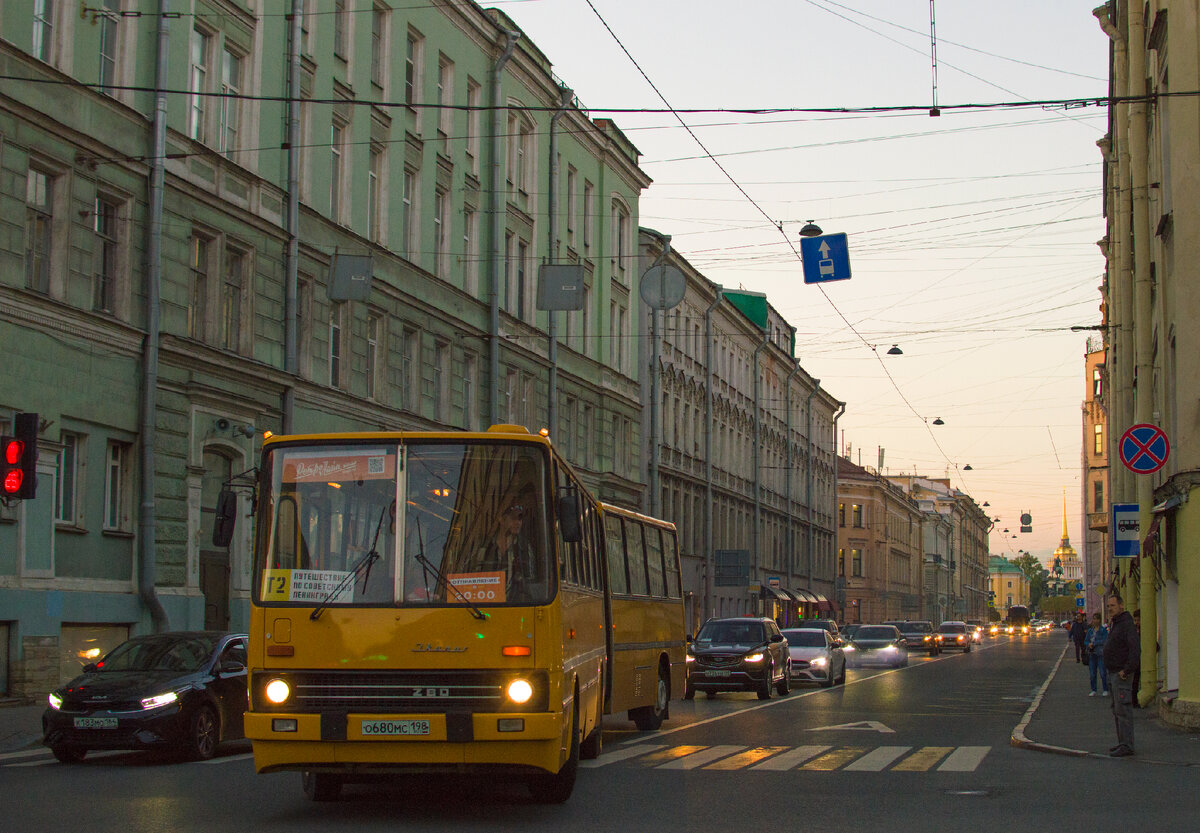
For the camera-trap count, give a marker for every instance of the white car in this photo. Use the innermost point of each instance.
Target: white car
(816, 655)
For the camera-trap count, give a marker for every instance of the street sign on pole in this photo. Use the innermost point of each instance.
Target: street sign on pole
(1126, 528)
(1080, 603)
(1144, 448)
(826, 258)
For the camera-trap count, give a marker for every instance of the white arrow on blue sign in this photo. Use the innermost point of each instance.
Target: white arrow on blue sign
(826, 258)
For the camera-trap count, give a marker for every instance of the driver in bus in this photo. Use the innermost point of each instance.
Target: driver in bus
(509, 551)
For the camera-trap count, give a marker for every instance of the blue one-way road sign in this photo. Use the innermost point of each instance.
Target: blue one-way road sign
(826, 258)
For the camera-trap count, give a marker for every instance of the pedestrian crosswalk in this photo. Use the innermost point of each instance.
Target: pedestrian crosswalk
(814, 758)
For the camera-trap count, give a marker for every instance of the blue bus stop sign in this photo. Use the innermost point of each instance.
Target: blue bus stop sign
(826, 258)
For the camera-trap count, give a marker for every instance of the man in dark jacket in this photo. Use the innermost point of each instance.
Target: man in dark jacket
(1078, 633)
(1123, 659)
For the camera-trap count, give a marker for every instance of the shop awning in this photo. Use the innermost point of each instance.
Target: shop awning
(768, 590)
(805, 596)
(791, 594)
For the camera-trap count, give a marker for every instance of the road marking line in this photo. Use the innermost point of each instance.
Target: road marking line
(834, 760)
(704, 756)
(877, 759)
(670, 754)
(923, 759)
(788, 760)
(229, 759)
(964, 759)
(620, 755)
(750, 756)
(28, 753)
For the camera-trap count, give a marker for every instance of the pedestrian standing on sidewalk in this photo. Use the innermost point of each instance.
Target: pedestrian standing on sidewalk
(1078, 633)
(1122, 658)
(1097, 635)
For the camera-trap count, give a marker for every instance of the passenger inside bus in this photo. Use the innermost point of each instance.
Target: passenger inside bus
(509, 550)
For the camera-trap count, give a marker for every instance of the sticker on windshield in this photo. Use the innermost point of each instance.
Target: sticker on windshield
(478, 588)
(307, 586)
(338, 466)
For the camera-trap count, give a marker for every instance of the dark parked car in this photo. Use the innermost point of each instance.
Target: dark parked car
(956, 636)
(181, 692)
(743, 654)
(878, 645)
(824, 624)
(920, 636)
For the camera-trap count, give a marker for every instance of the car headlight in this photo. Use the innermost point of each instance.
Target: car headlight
(757, 656)
(160, 700)
(889, 648)
(846, 649)
(519, 691)
(277, 691)
(690, 658)
(960, 638)
(820, 662)
(55, 700)
(927, 638)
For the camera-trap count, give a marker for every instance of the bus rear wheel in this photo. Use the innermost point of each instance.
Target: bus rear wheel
(649, 718)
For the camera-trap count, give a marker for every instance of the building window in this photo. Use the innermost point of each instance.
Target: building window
(335, 345)
(107, 22)
(304, 327)
(372, 353)
(474, 100)
(469, 259)
(378, 35)
(572, 203)
(336, 140)
(232, 288)
(410, 368)
(441, 399)
(231, 86)
(620, 243)
(43, 30)
(856, 512)
(1098, 436)
(412, 68)
(589, 197)
(856, 568)
(469, 386)
(104, 282)
(520, 293)
(339, 28)
(1097, 383)
(374, 178)
(197, 84)
(445, 98)
(440, 230)
(66, 479)
(1098, 496)
(841, 514)
(197, 313)
(408, 218)
(116, 497)
(39, 202)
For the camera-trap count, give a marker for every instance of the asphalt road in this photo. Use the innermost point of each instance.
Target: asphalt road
(916, 749)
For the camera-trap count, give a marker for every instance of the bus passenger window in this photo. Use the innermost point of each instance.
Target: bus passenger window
(618, 581)
(637, 559)
(654, 562)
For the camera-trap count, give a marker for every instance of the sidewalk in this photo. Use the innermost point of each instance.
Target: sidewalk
(1065, 720)
(20, 725)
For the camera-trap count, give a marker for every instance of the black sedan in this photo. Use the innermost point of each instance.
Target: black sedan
(742, 654)
(878, 645)
(181, 693)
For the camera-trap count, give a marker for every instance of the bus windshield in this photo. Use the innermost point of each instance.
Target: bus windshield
(403, 524)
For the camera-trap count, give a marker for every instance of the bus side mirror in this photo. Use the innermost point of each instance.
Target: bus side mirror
(568, 518)
(226, 518)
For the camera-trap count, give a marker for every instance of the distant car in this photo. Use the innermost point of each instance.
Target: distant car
(816, 656)
(879, 645)
(739, 654)
(956, 636)
(847, 632)
(993, 629)
(183, 692)
(976, 629)
(824, 624)
(920, 636)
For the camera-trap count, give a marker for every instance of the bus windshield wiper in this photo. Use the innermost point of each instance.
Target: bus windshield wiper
(363, 566)
(441, 577)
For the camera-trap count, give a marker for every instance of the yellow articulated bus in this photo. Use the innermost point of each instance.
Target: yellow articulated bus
(449, 602)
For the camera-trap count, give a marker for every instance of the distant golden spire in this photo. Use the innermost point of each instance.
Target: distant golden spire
(1065, 537)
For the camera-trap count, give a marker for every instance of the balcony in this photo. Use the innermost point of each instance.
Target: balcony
(1098, 521)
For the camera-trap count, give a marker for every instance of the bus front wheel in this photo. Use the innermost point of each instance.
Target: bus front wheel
(557, 788)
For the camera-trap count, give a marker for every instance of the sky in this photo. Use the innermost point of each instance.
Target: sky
(972, 235)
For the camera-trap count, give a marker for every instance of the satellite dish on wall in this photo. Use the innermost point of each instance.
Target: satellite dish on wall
(662, 287)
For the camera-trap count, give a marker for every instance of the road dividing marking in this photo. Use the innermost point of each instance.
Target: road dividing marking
(745, 759)
(670, 754)
(789, 760)
(834, 760)
(620, 755)
(704, 756)
(877, 759)
(964, 759)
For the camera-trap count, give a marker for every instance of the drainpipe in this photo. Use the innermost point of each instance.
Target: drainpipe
(655, 393)
(841, 410)
(709, 556)
(1143, 333)
(291, 255)
(146, 517)
(757, 460)
(498, 216)
(808, 475)
(787, 469)
(565, 95)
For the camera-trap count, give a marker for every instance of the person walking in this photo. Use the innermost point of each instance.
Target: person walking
(1122, 659)
(1078, 633)
(1097, 635)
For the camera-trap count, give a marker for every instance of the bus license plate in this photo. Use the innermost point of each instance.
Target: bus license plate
(395, 727)
(724, 672)
(95, 723)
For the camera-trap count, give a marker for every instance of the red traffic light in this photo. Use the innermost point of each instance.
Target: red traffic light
(13, 449)
(12, 481)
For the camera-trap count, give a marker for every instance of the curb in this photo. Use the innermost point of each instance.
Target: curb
(1018, 734)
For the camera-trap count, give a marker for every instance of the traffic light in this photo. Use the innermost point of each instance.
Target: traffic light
(18, 468)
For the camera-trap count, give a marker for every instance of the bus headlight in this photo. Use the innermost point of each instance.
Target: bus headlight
(278, 691)
(519, 691)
